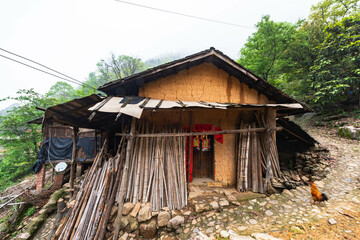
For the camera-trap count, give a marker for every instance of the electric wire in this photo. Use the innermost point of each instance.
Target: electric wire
(73, 80)
(183, 14)
(44, 71)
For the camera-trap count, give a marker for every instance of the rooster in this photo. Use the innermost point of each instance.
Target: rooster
(316, 195)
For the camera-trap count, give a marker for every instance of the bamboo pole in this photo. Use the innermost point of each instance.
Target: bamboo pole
(124, 179)
(254, 161)
(101, 231)
(249, 130)
(190, 151)
(81, 197)
(146, 167)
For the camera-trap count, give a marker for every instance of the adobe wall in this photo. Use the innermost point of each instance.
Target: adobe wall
(204, 82)
(224, 154)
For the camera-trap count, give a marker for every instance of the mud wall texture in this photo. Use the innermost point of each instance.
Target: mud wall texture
(224, 153)
(204, 82)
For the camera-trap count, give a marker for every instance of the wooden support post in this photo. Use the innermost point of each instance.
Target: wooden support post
(270, 121)
(190, 151)
(107, 140)
(124, 179)
(73, 157)
(95, 143)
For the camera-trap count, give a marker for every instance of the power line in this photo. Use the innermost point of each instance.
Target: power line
(73, 80)
(184, 15)
(46, 71)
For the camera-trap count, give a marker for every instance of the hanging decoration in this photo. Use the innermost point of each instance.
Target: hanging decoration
(205, 143)
(196, 142)
(219, 137)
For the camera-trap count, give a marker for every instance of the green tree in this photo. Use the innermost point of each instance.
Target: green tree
(264, 51)
(336, 71)
(109, 70)
(325, 13)
(19, 139)
(61, 91)
(118, 67)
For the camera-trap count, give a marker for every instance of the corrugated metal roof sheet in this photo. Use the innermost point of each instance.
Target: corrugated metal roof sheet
(134, 106)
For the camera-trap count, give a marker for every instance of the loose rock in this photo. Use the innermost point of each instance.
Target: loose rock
(144, 213)
(127, 207)
(264, 236)
(163, 218)
(224, 234)
(136, 209)
(223, 202)
(176, 221)
(332, 221)
(214, 205)
(148, 229)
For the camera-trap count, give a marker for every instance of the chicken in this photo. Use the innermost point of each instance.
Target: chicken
(316, 195)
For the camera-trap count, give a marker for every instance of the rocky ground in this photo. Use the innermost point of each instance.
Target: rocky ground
(289, 215)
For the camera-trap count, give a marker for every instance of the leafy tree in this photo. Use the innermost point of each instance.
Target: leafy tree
(336, 71)
(19, 139)
(119, 67)
(325, 13)
(61, 91)
(264, 51)
(109, 70)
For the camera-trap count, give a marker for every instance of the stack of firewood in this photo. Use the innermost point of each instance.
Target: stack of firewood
(143, 170)
(157, 171)
(251, 163)
(249, 170)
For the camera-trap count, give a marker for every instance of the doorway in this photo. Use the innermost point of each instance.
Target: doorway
(203, 157)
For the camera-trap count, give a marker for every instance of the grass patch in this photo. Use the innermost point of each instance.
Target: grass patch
(30, 211)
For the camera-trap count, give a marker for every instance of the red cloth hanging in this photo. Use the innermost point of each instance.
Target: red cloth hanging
(219, 137)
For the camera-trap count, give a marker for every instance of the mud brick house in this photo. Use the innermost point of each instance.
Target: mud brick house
(202, 116)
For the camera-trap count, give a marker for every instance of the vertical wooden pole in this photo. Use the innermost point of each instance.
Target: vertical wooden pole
(254, 161)
(124, 179)
(270, 121)
(190, 150)
(107, 140)
(95, 144)
(73, 157)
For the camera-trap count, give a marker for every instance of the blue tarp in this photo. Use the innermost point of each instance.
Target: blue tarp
(61, 148)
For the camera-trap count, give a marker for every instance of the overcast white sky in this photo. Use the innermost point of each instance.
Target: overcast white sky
(71, 36)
